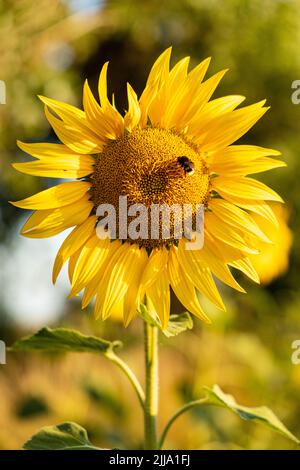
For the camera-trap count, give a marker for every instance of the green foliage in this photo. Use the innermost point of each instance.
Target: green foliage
(31, 406)
(261, 414)
(147, 317)
(178, 323)
(66, 436)
(63, 340)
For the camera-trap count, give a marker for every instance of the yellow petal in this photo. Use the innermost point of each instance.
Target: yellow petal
(93, 286)
(178, 72)
(117, 277)
(156, 79)
(159, 295)
(245, 266)
(236, 217)
(237, 160)
(57, 196)
(230, 126)
(72, 243)
(218, 106)
(102, 86)
(112, 115)
(195, 100)
(159, 106)
(73, 136)
(72, 264)
(196, 75)
(226, 233)
(145, 101)
(46, 223)
(95, 114)
(157, 263)
(183, 287)
(74, 117)
(243, 152)
(243, 168)
(216, 260)
(232, 256)
(133, 115)
(93, 255)
(52, 151)
(99, 118)
(91, 290)
(178, 91)
(210, 111)
(245, 188)
(62, 168)
(54, 160)
(160, 68)
(64, 110)
(116, 312)
(199, 273)
(132, 299)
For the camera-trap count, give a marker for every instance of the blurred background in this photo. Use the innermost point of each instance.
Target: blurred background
(49, 48)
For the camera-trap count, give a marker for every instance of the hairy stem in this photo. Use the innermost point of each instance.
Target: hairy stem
(151, 389)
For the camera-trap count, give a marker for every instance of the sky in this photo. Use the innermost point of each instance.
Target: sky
(26, 289)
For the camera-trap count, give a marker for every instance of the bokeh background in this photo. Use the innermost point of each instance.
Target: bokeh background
(49, 48)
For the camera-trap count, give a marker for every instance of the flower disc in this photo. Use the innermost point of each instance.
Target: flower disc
(143, 165)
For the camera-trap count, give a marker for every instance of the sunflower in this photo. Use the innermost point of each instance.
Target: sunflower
(137, 155)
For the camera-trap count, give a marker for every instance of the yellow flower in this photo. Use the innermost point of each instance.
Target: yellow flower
(139, 155)
(273, 259)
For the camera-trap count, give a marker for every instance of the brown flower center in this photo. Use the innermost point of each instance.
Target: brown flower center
(147, 167)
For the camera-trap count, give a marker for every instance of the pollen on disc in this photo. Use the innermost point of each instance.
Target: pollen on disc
(143, 165)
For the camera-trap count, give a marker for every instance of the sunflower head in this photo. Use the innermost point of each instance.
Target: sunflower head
(173, 147)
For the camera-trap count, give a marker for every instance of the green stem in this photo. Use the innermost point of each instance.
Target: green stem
(129, 373)
(178, 413)
(151, 398)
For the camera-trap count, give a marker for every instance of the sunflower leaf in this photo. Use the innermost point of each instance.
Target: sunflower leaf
(260, 414)
(148, 317)
(63, 340)
(178, 324)
(65, 436)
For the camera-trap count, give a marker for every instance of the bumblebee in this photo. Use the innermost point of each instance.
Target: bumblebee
(187, 165)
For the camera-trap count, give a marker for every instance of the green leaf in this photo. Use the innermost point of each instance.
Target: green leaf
(260, 414)
(66, 436)
(178, 324)
(148, 317)
(63, 340)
